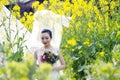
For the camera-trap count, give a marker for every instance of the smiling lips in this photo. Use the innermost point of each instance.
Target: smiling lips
(45, 43)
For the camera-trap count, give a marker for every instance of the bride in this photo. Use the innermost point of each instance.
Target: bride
(46, 36)
(50, 38)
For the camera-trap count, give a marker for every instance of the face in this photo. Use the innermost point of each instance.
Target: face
(45, 38)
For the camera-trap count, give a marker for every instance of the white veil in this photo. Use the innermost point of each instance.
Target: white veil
(10, 22)
(46, 19)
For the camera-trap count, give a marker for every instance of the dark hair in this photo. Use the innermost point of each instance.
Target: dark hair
(47, 31)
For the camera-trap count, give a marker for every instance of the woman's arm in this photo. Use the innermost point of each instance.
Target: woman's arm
(62, 61)
(35, 55)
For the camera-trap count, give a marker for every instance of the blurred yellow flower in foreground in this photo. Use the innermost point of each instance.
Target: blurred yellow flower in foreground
(93, 72)
(102, 53)
(72, 79)
(72, 42)
(45, 66)
(107, 67)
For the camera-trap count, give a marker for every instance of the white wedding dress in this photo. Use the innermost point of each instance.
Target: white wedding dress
(54, 75)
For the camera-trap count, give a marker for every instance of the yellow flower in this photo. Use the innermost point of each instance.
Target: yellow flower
(100, 44)
(90, 25)
(93, 72)
(73, 49)
(118, 33)
(107, 28)
(46, 66)
(16, 8)
(22, 19)
(16, 11)
(24, 78)
(104, 68)
(41, 7)
(4, 2)
(45, 2)
(60, 12)
(35, 4)
(77, 25)
(118, 26)
(31, 13)
(66, 46)
(25, 13)
(102, 53)
(113, 4)
(86, 43)
(109, 65)
(28, 57)
(72, 42)
(73, 79)
(73, 16)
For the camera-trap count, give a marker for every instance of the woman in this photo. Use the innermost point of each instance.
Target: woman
(46, 36)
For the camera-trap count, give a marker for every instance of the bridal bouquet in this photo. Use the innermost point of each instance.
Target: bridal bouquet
(49, 57)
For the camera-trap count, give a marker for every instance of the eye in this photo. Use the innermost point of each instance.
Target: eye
(42, 38)
(46, 38)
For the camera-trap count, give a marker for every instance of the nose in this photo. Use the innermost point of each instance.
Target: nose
(44, 41)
